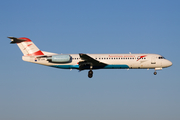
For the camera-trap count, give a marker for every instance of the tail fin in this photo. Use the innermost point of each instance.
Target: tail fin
(27, 47)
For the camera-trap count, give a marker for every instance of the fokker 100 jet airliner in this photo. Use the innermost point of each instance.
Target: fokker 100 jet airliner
(89, 61)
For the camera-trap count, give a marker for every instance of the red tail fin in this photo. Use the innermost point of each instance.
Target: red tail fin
(27, 47)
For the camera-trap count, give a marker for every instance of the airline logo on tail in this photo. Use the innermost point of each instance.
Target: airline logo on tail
(27, 47)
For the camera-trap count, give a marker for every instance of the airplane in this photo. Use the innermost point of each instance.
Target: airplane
(81, 61)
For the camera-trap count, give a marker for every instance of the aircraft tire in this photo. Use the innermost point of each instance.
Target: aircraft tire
(155, 73)
(90, 74)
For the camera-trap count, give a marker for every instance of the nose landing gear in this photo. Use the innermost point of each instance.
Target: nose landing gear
(155, 73)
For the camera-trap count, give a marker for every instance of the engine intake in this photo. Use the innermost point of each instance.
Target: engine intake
(59, 58)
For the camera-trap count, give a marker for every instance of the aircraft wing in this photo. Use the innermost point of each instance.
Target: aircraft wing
(91, 60)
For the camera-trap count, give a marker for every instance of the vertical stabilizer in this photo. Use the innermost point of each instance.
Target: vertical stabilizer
(27, 47)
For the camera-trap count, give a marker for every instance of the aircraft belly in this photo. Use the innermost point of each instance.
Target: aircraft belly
(66, 66)
(116, 66)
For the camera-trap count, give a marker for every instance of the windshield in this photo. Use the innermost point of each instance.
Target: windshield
(161, 57)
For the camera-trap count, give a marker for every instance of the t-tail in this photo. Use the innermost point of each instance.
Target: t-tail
(27, 47)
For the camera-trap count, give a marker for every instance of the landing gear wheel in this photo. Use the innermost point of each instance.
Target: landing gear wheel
(90, 74)
(155, 73)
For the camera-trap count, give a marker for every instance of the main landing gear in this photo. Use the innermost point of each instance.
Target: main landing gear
(90, 73)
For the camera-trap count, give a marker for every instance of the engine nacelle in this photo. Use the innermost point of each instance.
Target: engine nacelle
(59, 58)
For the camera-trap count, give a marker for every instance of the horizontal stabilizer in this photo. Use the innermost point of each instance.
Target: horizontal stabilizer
(16, 40)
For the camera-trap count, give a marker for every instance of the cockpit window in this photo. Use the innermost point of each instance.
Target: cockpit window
(161, 57)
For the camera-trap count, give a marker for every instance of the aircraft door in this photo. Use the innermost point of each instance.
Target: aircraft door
(153, 60)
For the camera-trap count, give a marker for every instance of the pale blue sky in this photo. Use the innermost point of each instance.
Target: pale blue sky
(30, 91)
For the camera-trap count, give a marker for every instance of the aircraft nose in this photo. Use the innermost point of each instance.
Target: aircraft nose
(169, 63)
(166, 63)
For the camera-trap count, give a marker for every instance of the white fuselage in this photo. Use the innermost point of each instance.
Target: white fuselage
(113, 61)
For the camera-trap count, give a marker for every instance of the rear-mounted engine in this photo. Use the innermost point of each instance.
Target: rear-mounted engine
(59, 58)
